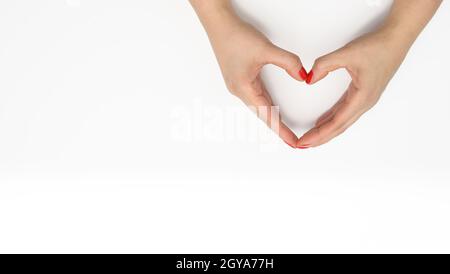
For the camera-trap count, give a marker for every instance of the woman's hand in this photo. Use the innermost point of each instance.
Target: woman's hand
(372, 60)
(242, 51)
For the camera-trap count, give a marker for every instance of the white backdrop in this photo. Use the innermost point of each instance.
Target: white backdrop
(95, 156)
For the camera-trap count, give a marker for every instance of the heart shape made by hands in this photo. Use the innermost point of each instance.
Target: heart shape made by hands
(301, 105)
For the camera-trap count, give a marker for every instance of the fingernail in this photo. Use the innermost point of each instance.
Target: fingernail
(303, 74)
(304, 147)
(309, 77)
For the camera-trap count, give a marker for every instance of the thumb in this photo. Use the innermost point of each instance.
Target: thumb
(326, 64)
(287, 61)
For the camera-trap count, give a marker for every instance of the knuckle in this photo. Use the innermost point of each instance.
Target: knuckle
(233, 92)
(294, 58)
(235, 86)
(341, 130)
(264, 50)
(370, 103)
(370, 99)
(232, 87)
(320, 63)
(336, 121)
(286, 57)
(374, 98)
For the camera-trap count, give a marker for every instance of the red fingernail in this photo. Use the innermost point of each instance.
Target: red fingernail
(303, 74)
(304, 147)
(310, 77)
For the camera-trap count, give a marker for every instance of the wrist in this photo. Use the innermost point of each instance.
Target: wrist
(211, 12)
(210, 5)
(398, 36)
(217, 17)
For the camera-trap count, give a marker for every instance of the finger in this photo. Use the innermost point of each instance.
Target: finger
(271, 116)
(345, 115)
(340, 130)
(257, 98)
(326, 117)
(288, 61)
(331, 112)
(326, 64)
(285, 133)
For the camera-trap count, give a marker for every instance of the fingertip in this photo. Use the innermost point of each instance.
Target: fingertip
(292, 146)
(324, 65)
(289, 138)
(303, 74)
(310, 77)
(302, 143)
(307, 140)
(287, 135)
(298, 74)
(303, 146)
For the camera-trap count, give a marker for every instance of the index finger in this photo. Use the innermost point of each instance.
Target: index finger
(260, 100)
(346, 113)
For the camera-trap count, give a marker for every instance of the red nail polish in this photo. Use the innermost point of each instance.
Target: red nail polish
(310, 77)
(303, 74)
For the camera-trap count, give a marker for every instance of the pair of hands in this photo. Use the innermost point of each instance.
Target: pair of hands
(372, 60)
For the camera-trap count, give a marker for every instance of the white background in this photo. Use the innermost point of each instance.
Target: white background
(90, 160)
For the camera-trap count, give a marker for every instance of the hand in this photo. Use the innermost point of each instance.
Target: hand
(242, 51)
(371, 61)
